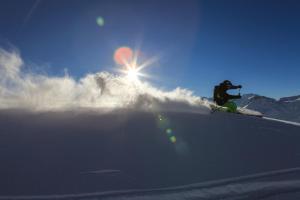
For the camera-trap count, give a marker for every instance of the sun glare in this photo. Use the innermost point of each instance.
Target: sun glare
(128, 59)
(132, 74)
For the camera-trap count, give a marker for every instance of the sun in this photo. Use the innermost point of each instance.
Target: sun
(128, 60)
(132, 74)
(131, 71)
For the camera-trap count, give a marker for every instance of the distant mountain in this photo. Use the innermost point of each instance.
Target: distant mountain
(290, 99)
(286, 108)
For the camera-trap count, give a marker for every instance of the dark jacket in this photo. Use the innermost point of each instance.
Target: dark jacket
(220, 94)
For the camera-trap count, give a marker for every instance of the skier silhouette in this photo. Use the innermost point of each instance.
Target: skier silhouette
(223, 99)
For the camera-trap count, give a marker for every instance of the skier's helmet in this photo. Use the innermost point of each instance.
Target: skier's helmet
(227, 83)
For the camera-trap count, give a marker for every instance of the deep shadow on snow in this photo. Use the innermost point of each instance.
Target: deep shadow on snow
(72, 152)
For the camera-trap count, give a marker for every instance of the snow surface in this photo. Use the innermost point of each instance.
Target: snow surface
(255, 190)
(127, 154)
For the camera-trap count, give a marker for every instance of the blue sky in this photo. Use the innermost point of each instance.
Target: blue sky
(199, 43)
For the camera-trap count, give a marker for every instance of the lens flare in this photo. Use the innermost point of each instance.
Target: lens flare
(164, 124)
(100, 21)
(173, 139)
(169, 131)
(123, 55)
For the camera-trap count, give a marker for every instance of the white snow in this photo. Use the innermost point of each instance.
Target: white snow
(101, 90)
(246, 111)
(251, 97)
(283, 121)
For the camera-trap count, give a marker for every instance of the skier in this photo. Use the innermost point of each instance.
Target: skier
(222, 98)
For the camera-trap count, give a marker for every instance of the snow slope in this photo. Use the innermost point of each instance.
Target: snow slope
(128, 154)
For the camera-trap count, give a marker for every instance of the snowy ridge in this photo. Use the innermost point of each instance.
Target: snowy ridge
(292, 101)
(286, 108)
(227, 188)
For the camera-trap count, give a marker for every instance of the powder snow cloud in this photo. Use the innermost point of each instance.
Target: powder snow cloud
(103, 90)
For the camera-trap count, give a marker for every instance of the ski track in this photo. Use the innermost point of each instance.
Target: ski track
(283, 121)
(103, 171)
(236, 188)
